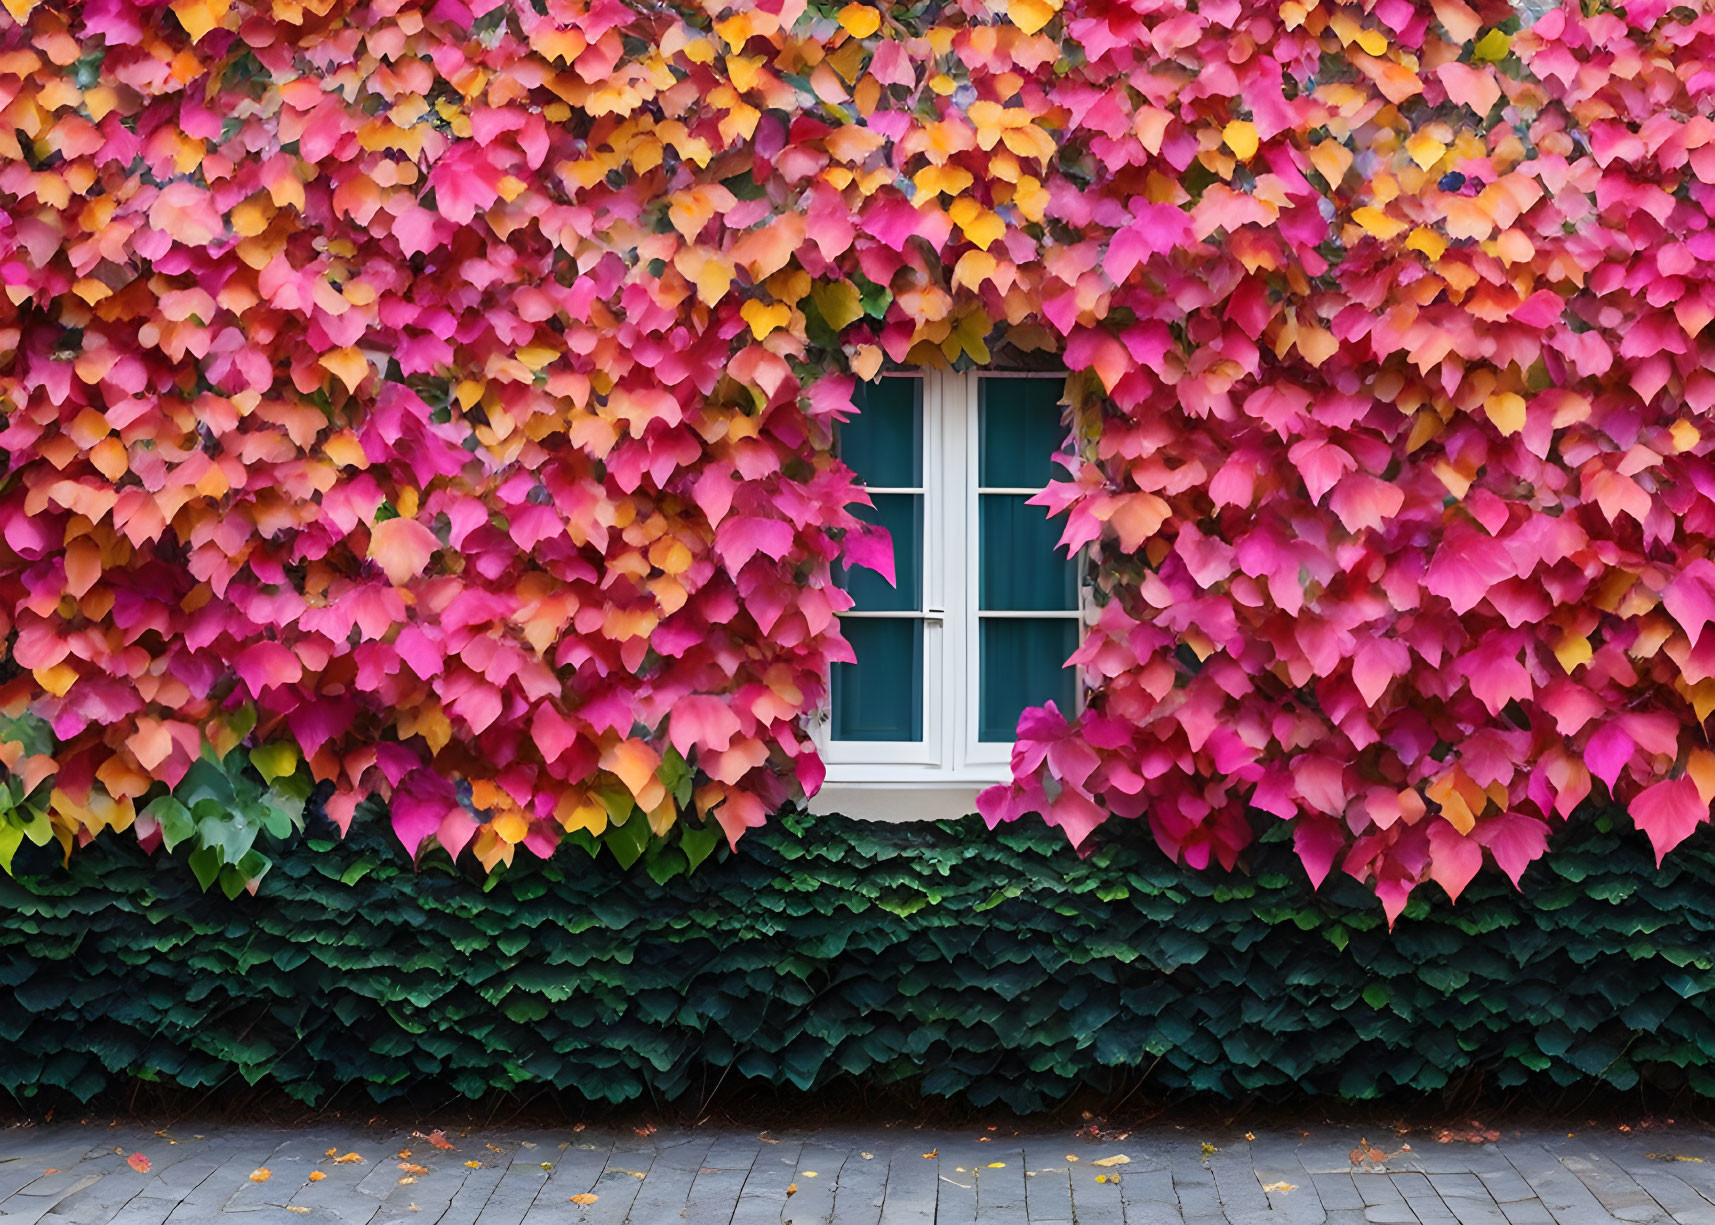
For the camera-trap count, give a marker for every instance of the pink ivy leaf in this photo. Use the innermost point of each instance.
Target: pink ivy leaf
(266, 664)
(742, 537)
(872, 547)
(1318, 842)
(1454, 858)
(1668, 812)
(702, 721)
(1075, 814)
(1608, 752)
(1466, 564)
(1515, 840)
(402, 547)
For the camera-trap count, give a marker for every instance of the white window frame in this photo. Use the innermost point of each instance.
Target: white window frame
(941, 775)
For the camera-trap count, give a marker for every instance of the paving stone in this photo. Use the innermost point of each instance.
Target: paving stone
(1240, 1191)
(762, 1200)
(913, 1186)
(1047, 1181)
(1094, 1203)
(1567, 1199)
(1617, 1190)
(666, 1190)
(818, 1177)
(1337, 1192)
(1421, 1197)
(862, 1189)
(1506, 1185)
(1526, 1212)
(1676, 1196)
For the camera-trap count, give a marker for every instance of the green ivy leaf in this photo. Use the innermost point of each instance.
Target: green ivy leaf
(173, 818)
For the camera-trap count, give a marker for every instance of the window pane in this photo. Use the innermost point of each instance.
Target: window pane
(883, 444)
(881, 696)
(1021, 666)
(1021, 568)
(1020, 432)
(902, 515)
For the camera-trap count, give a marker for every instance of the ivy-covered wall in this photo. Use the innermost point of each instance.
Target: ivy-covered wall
(436, 401)
(940, 958)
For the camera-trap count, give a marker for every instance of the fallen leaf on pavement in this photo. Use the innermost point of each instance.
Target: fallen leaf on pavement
(585, 1197)
(475, 1165)
(438, 1138)
(791, 1189)
(299, 1208)
(810, 1174)
(407, 1179)
(138, 1162)
(1670, 1157)
(261, 1175)
(1116, 1159)
(1279, 1186)
(1069, 1157)
(317, 1175)
(997, 1165)
(348, 1159)
(409, 1168)
(930, 1155)
(54, 1170)
(867, 1156)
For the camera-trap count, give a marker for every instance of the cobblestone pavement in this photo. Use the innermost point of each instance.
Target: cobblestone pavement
(83, 1175)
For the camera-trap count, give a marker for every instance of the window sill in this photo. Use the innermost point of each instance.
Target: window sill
(871, 795)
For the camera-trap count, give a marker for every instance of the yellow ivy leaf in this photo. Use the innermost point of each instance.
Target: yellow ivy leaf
(1031, 15)
(1372, 41)
(537, 356)
(512, 827)
(765, 317)
(1376, 223)
(347, 365)
(1425, 150)
(1572, 650)
(1240, 136)
(860, 20)
(276, 760)
(1427, 241)
(839, 302)
(1506, 410)
(56, 679)
(1492, 47)
(1685, 435)
(198, 17)
(1331, 159)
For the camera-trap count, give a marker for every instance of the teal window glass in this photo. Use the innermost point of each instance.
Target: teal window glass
(1021, 666)
(883, 444)
(880, 698)
(1021, 432)
(1020, 568)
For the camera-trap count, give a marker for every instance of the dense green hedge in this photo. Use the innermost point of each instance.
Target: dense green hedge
(999, 967)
